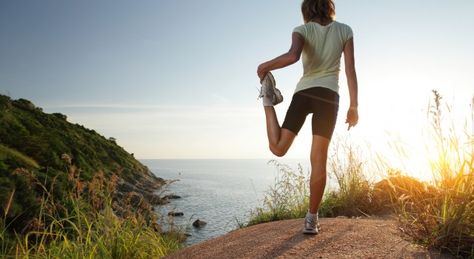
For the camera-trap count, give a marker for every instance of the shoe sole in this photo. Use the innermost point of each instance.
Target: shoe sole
(271, 78)
(277, 96)
(310, 232)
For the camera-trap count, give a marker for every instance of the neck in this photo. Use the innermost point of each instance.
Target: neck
(322, 21)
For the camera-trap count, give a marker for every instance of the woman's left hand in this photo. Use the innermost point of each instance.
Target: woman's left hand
(352, 117)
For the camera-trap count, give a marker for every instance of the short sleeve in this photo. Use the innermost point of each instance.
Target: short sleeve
(301, 30)
(348, 32)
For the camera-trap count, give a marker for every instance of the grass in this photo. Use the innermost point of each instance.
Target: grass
(353, 194)
(8, 153)
(287, 198)
(443, 216)
(86, 227)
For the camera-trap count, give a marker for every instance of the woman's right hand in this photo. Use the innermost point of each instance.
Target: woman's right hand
(352, 117)
(261, 71)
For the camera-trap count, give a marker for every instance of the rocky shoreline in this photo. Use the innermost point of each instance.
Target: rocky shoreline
(139, 193)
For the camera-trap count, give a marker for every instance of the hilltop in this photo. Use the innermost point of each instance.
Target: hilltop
(47, 147)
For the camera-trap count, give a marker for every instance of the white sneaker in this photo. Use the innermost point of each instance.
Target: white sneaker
(311, 224)
(270, 94)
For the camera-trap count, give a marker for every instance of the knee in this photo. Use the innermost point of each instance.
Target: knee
(277, 151)
(318, 178)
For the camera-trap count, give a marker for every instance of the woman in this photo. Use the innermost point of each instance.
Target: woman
(320, 41)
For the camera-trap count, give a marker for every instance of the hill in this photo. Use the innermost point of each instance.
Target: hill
(48, 148)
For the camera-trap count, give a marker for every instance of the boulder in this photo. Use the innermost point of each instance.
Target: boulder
(175, 214)
(199, 223)
(171, 196)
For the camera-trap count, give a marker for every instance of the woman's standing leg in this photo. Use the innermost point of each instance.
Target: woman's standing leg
(279, 139)
(319, 154)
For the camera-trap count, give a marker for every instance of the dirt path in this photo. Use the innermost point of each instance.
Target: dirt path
(339, 238)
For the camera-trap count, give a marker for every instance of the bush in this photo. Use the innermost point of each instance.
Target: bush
(397, 186)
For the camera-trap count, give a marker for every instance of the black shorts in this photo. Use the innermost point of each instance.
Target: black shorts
(322, 102)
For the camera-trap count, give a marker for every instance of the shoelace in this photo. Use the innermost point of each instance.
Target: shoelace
(260, 92)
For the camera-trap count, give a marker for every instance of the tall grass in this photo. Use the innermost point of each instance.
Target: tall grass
(443, 217)
(288, 197)
(86, 227)
(352, 197)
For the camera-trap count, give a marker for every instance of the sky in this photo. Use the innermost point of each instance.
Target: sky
(177, 79)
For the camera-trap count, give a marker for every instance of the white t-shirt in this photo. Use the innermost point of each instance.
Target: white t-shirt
(323, 46)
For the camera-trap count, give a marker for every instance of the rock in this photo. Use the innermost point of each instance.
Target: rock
(199, 223)
(175, 214)
(171, 196)
(145, 190)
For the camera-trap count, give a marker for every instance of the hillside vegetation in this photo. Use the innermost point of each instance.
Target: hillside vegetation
(49, 149)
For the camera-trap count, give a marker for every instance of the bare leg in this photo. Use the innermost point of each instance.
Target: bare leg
(279, 139)
(319, 154)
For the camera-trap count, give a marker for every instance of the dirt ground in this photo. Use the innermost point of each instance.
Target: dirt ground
(339, 238)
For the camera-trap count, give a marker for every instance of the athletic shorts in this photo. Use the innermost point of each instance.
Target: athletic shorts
(322, 102)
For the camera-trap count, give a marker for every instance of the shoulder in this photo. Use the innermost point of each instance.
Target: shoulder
(344, 30)
(301, 29)
(342, 26)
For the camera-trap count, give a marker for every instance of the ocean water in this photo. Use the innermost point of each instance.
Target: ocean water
(221, 192)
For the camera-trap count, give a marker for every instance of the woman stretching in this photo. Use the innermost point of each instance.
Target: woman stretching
(320, 41)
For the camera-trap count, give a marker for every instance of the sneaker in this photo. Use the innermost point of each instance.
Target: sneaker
(270, 94)
(311, 224)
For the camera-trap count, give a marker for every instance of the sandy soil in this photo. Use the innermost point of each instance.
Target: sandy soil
(339, 238)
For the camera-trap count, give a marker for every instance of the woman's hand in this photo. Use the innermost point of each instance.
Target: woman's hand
(352, 117)
(262, 71)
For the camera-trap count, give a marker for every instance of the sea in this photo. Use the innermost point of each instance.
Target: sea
(221, 192)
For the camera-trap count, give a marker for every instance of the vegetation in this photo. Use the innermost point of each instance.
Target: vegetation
(439, 215)
(43, 138)
(87, 227)
(353, 196)
(36, 141)
(66, 191)
(442, 215)
(287, 198)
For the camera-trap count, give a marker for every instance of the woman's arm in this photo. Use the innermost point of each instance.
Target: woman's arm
(291, 57)
(352, 113)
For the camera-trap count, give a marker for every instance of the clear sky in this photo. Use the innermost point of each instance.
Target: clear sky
(177, 79)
